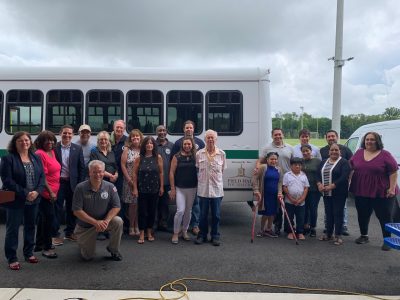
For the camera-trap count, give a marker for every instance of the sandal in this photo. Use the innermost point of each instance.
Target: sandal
(325, 238)
(49, 254)
(14, 266)
(32, 259)
(338, 241)
(150, 238)
(132, 231)
(140, 241)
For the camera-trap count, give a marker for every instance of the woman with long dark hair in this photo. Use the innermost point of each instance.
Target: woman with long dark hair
(148, 185)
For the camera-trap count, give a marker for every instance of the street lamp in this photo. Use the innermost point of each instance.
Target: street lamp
(279, 114)
(301, 116)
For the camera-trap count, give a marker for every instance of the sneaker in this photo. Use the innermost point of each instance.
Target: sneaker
(216, 242)
(363, 239)
(270, 233)
(385, 247)
(313, 232)
(345, 231)
(57, 241)
(116, 256)
(71, 237)
(277, 231)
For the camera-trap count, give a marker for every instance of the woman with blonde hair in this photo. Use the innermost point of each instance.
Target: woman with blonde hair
(104, 153)
(131, 152)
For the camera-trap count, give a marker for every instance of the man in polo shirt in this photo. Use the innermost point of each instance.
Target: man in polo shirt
(96, 205)
(285, 152)
(165, 150)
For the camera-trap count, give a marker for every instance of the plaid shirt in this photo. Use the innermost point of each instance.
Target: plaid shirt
(210, 182)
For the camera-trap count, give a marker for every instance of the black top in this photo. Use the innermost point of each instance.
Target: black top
(340, 177)
(148, 175)
(344, 152)
(108, 160)
(185, 174)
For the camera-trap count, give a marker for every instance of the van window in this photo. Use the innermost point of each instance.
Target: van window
(352, 144)
(24, 111)
(1, 110)
(224, 112)
(183, 106)
(145, 110)
(103, 108)
(64, 107)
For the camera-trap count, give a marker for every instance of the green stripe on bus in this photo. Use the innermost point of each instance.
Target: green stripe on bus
(241, 154)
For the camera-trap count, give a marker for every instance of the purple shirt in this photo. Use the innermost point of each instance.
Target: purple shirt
(371, 178)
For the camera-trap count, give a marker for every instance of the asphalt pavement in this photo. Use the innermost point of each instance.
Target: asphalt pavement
(311, 265)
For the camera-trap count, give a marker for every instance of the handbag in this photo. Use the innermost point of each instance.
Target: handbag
(6, 196)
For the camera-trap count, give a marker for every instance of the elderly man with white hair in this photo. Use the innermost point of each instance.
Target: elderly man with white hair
(96, 205)
(211, 163)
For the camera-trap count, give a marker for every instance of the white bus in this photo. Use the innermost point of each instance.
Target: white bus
(234, 102)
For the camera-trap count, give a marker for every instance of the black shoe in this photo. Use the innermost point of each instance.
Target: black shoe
(116, 256)
(363, 239)
(216, 242)
(200, 240)
(277, 231)
(345, 233)
(313, 233)
(385, 247)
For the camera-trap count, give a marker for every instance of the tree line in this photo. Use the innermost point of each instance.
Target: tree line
(291, 122)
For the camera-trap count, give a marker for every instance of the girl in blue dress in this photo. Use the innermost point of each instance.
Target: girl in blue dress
(267, 187)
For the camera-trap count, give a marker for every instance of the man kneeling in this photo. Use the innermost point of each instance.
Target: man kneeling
(96, 205)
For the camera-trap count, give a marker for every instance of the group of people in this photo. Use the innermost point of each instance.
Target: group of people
(124, 183)
(293, 179)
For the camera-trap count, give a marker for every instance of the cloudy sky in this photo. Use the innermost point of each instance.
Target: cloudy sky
(293, 38)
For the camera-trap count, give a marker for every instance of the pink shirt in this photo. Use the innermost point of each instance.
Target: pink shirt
(52, 170)
(371, 178)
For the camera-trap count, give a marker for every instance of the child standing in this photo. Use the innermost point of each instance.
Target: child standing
(295, 187)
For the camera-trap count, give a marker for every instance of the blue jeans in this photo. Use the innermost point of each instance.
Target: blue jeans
(299, 212)
(15, 217)
(195, 219)
(311, 215)
(205, 204)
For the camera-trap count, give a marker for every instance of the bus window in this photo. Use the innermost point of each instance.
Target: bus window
(64, 107)
(224, 112)
(103, 107)
(1, 110)
(183, 106)
(145, 110)
(24, 111)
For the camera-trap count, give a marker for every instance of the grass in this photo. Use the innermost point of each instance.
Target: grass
(316, 142)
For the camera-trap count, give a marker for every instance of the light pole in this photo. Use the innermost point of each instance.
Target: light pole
(301, 116)
(280, 119)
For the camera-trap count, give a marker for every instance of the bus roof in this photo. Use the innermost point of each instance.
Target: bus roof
(131, 74)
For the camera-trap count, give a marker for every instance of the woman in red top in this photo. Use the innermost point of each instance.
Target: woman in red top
(45, 143)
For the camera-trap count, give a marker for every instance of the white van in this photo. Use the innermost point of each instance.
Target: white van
(390, 134)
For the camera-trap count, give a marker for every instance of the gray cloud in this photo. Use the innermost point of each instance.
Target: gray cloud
(292, 38)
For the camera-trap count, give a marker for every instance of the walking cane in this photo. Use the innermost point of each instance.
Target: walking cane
(287, 217)
(254, 223)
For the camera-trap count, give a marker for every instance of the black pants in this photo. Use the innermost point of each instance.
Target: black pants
(334, 206)
(65, 193)
(147, 210)
(44, 225)
(383, 208)
(278, 219)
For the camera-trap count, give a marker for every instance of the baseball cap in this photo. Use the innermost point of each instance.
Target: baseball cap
(84, 127)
